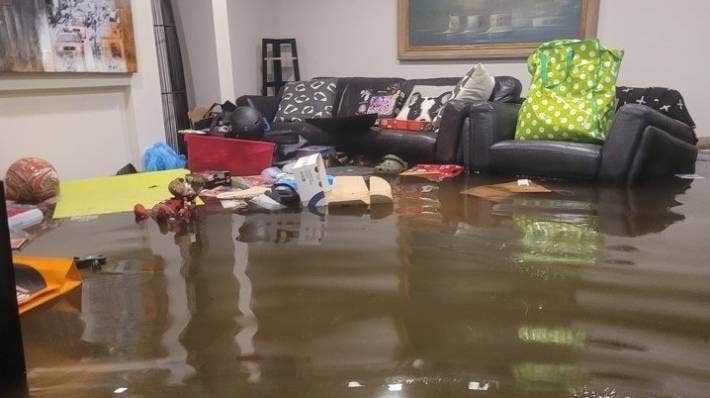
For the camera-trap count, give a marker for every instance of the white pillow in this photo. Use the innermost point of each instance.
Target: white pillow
(477, 85)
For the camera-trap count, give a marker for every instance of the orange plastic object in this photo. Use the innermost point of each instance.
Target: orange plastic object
(40, 280)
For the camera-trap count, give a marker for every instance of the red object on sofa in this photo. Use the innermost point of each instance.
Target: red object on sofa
(408, 125)
(239, 157)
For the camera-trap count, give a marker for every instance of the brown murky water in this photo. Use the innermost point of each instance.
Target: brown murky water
(585, 292)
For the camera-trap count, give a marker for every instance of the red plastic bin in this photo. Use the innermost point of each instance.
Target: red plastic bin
(239, 157)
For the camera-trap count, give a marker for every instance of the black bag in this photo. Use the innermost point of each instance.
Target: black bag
(217, 119)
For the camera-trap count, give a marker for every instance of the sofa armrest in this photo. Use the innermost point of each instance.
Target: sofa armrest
(622, 141)
(636, 115)
(660, 155)
(490, 122)
(266, 105)
(449, 134)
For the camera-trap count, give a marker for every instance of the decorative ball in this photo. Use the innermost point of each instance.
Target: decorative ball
(31, 180)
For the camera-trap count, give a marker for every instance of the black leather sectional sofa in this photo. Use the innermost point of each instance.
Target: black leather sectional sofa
(420, 147)
(642, 143)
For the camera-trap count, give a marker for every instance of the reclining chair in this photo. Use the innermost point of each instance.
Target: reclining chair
(642, 143)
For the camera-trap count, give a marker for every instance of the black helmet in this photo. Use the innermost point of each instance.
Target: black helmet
(246, 123)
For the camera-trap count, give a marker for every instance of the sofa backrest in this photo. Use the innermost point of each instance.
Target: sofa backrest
(507, 89)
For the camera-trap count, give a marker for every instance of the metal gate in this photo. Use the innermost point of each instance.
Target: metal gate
(172, 76)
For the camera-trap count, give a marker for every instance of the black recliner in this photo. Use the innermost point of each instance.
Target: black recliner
(642, 143)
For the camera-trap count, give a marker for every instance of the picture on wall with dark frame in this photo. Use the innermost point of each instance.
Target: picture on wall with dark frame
(67, 36)
(470, 29)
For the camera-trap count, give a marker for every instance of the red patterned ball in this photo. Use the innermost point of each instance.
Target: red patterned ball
(31, 180)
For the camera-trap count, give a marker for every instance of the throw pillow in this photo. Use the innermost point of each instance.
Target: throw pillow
(476, 85)
(307, 100)
(667, 101)
(384, 103)
(425, 102)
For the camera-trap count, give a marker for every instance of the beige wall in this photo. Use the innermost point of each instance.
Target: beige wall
(85, 124)
(665, 44)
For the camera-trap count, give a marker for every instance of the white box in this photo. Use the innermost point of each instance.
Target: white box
(312, 181)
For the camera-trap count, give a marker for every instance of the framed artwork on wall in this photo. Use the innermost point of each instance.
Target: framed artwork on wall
(67, 36)
(477, 29)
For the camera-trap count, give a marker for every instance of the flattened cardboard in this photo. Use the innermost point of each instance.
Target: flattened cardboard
(380, 191)
(501, 192)
(349, 191)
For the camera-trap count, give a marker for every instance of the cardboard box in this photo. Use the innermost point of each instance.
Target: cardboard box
(349, 191)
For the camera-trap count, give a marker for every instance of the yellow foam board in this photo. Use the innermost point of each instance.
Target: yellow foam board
(116, 194)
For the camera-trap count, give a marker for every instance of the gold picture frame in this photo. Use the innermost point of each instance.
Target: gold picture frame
(408, 51)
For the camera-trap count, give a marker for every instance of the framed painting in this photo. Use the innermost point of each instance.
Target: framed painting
(476, 29)
(67, 36)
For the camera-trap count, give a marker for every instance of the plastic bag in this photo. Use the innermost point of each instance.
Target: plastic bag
(573, 92)
(162, 157)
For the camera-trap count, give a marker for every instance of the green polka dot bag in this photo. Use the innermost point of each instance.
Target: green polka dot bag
(573, 92)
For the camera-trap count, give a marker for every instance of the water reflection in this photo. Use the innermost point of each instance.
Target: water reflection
(512, 280)
(441, 295)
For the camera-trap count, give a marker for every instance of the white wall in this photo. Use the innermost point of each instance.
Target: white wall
(221, 47)
(195, 24)
(250, 21)
(359, 38)
(85, 124)
(664, 43)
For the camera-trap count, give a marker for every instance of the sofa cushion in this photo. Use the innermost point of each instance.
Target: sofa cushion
(383, 103)
(546, 158)
(476, 85)
(425, 102)
(409, 85)
(307, 100)
(412, 147)
(350, 88)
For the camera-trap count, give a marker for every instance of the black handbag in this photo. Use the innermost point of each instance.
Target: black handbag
(216, 120)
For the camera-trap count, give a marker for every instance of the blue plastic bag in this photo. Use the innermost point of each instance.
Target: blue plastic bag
(162, 157)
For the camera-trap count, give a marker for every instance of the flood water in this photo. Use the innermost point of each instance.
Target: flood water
(583, 292)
